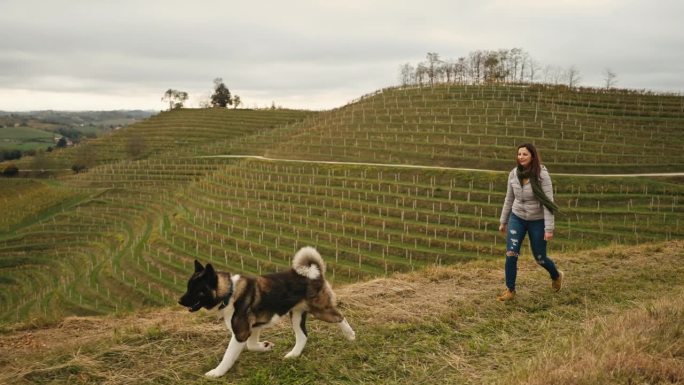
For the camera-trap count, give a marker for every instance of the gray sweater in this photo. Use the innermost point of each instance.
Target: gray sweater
(523, 203)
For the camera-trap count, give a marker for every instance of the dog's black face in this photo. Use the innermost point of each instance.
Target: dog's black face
(201, 288)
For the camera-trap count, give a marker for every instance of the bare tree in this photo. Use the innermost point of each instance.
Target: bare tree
(517, 61)
(533, 68)
(432, 67)
(503, 70)
(554, 74)
(610, 78)
(406, 74)
(573, 76)
(461, 70)
(476, 61)
(204, 103)
(491, 66)
(496, 66)
(175, 98)
(490, 71)
(236, 101)
(449, 70)
(421, 73)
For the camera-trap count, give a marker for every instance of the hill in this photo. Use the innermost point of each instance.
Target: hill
(122, 235)
(170, 134)
(578, 130)
(617, 321)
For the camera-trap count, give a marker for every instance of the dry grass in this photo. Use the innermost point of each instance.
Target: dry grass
(619, 320)
(641, 346)
(434, 291)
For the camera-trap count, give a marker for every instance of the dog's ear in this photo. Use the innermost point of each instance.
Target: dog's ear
(209, 270)
(210, 275)
(198, 266)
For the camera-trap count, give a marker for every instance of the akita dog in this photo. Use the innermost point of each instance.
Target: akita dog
(250, 304)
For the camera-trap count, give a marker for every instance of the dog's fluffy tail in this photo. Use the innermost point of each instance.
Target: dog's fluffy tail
(308, 263)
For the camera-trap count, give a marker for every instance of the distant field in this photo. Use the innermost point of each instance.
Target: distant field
(36, 129)
(24, 133)
(24, 138)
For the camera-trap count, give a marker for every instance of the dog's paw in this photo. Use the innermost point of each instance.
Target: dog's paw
(292, 354)
(264, 346)
(350, 334)
(214, 373)
(267, 346)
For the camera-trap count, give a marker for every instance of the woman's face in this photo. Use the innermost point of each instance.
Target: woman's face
(524, 157)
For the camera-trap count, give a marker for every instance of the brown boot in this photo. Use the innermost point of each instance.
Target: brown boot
(506, 295)
(557, 283)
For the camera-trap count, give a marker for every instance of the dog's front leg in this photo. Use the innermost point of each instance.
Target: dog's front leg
(229, 357)
(347, 330)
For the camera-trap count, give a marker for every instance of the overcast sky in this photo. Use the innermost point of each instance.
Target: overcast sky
(106, 54)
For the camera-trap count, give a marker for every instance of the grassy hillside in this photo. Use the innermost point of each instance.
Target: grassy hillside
(174, 133)
(479, 126)
(131, 235)
(23, 200)
(617, 321)
(123, 235)
(63, 244)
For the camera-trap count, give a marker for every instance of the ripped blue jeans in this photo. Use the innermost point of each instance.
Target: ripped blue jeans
(517, 228)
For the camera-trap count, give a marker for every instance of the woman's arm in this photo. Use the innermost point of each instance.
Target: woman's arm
(549, 220)
(507, 205)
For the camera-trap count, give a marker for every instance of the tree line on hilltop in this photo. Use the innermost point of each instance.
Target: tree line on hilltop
(221, 97)
(490, 67)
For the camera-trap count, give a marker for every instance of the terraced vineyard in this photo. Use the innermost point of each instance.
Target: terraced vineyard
(124, 234)
(23, 200)
(173, 133)
(476, 127)
(87, 258)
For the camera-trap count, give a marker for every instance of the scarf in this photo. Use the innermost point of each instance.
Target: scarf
(537, 189)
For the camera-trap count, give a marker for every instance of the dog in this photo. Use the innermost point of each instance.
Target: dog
(250, 304)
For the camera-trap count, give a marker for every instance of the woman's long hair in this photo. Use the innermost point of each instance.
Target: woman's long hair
(533, 172)
(535, 165)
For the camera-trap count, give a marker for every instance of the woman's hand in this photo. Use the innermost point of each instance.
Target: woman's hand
(548, 236)
(502, 228)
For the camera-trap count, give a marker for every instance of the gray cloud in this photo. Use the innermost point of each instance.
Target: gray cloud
(309, 54)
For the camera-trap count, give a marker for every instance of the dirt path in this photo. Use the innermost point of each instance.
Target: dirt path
(411, 166)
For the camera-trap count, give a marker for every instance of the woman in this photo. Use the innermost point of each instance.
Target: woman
(528, 208)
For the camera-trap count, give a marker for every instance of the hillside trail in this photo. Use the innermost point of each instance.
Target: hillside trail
(435, 291)
(399, 165)
(420, 167)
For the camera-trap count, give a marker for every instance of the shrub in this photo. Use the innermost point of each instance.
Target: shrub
(10, 170)
(76, 168)
(10, 155)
